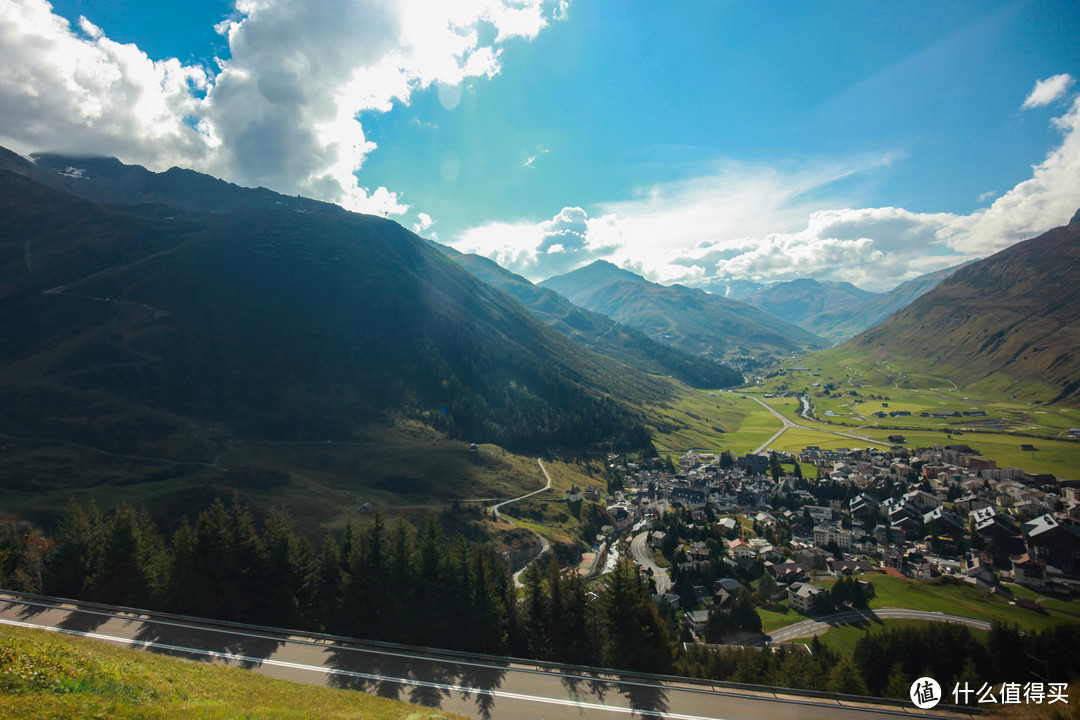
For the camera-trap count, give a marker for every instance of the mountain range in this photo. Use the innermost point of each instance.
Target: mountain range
(686, 318)
(839, 310)
(137, 308)
(599, 332)
(1005, 321)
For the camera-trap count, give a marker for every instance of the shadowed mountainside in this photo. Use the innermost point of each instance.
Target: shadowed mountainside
(296, 320)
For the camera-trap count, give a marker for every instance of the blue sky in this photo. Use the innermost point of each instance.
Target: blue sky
(691, 142)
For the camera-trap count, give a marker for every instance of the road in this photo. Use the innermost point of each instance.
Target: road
(545, 546)
(788, 424)
(643, 556)
(817, 626)
(475, 686)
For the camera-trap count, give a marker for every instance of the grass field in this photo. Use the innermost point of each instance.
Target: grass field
(842, 639)
(47, 675)
(712, 422)
(859, 387)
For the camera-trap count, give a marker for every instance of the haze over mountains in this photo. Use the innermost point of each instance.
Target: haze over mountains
(599, 332)
(689, 319)
(836, 310)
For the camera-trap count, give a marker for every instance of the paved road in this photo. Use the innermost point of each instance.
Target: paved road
(545, 546)
(817, 626)
(482, 688)
(787, 424)
(644, 557)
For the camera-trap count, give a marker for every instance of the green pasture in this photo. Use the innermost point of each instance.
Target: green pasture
(710, 421)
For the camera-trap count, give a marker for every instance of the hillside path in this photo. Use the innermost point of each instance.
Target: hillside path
(545, 546)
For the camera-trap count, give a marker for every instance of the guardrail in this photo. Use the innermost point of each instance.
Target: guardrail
(887, 705)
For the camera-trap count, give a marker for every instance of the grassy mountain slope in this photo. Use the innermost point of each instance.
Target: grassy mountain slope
(122, 322)
(1010, 321)
(600, 333)
(691, 320)
(850, 320)
(50, 675)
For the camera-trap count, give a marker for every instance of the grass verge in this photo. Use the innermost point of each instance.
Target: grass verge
(46, 675)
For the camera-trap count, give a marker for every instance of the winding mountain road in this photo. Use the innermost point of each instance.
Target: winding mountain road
(643, 556)
(545, 546)
(817, 626)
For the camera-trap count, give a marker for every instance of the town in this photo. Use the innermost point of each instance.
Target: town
(723, 522)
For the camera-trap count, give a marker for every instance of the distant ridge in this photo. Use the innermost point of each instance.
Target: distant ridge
(691, 320)
(1013, 318)
(598, 332)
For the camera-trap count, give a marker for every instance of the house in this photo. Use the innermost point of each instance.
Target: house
(698, 552)
(940, 522)
(672, 599)
(697, 620)
(981, 570)
(731, 585)
(727, 525)
(841, 568)
(1053, 542)
(970, 503)
(802, 596)
(741, 551)
(1028, 571)
(991, 524)
(788, 572)
(861, 505)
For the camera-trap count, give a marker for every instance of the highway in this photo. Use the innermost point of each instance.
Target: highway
(817, 626)
(475, 686)
(643, 556)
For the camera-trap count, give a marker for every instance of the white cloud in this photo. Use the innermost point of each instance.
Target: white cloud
(281, 111)
(762, 223)
(1048, 90)
(423, 223)
(540, 250)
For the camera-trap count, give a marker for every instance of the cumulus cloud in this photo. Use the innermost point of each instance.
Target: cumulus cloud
(540, 250)
(281, 111)
(762, 223)
(423, 223)
(1048, 90)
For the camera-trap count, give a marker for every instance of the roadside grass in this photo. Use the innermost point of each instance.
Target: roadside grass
(795, 439)
(710, 421)
(955, 597)
(842, 639)
(46, 675)
(1071, 608)
(776, 616)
